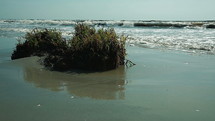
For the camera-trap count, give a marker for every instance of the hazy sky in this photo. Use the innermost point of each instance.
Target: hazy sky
(108, 9)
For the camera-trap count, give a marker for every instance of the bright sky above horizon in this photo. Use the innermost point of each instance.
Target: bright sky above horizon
(108, 9)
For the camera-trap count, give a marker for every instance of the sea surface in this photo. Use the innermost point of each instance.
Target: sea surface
(173, 79)
(189, 36)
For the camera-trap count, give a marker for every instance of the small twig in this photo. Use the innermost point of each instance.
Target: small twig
(129, 63)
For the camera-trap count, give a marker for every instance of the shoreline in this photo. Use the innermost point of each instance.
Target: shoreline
(164, 85)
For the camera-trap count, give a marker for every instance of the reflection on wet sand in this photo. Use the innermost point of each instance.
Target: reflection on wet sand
(98, 85)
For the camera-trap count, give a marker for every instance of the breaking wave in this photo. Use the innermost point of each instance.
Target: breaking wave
(124, 23)
(190, 36)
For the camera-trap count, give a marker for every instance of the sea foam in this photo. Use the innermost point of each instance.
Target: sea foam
(192, 36)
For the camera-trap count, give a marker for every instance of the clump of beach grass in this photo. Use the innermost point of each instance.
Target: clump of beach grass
(38, 42)
(88, 49)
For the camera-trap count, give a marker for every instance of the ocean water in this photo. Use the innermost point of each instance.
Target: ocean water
(162, 86)
(189, 36)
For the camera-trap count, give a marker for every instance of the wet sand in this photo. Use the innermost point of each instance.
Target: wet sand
(163, 86)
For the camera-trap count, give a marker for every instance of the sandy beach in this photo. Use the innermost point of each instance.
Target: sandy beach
(164, 85)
